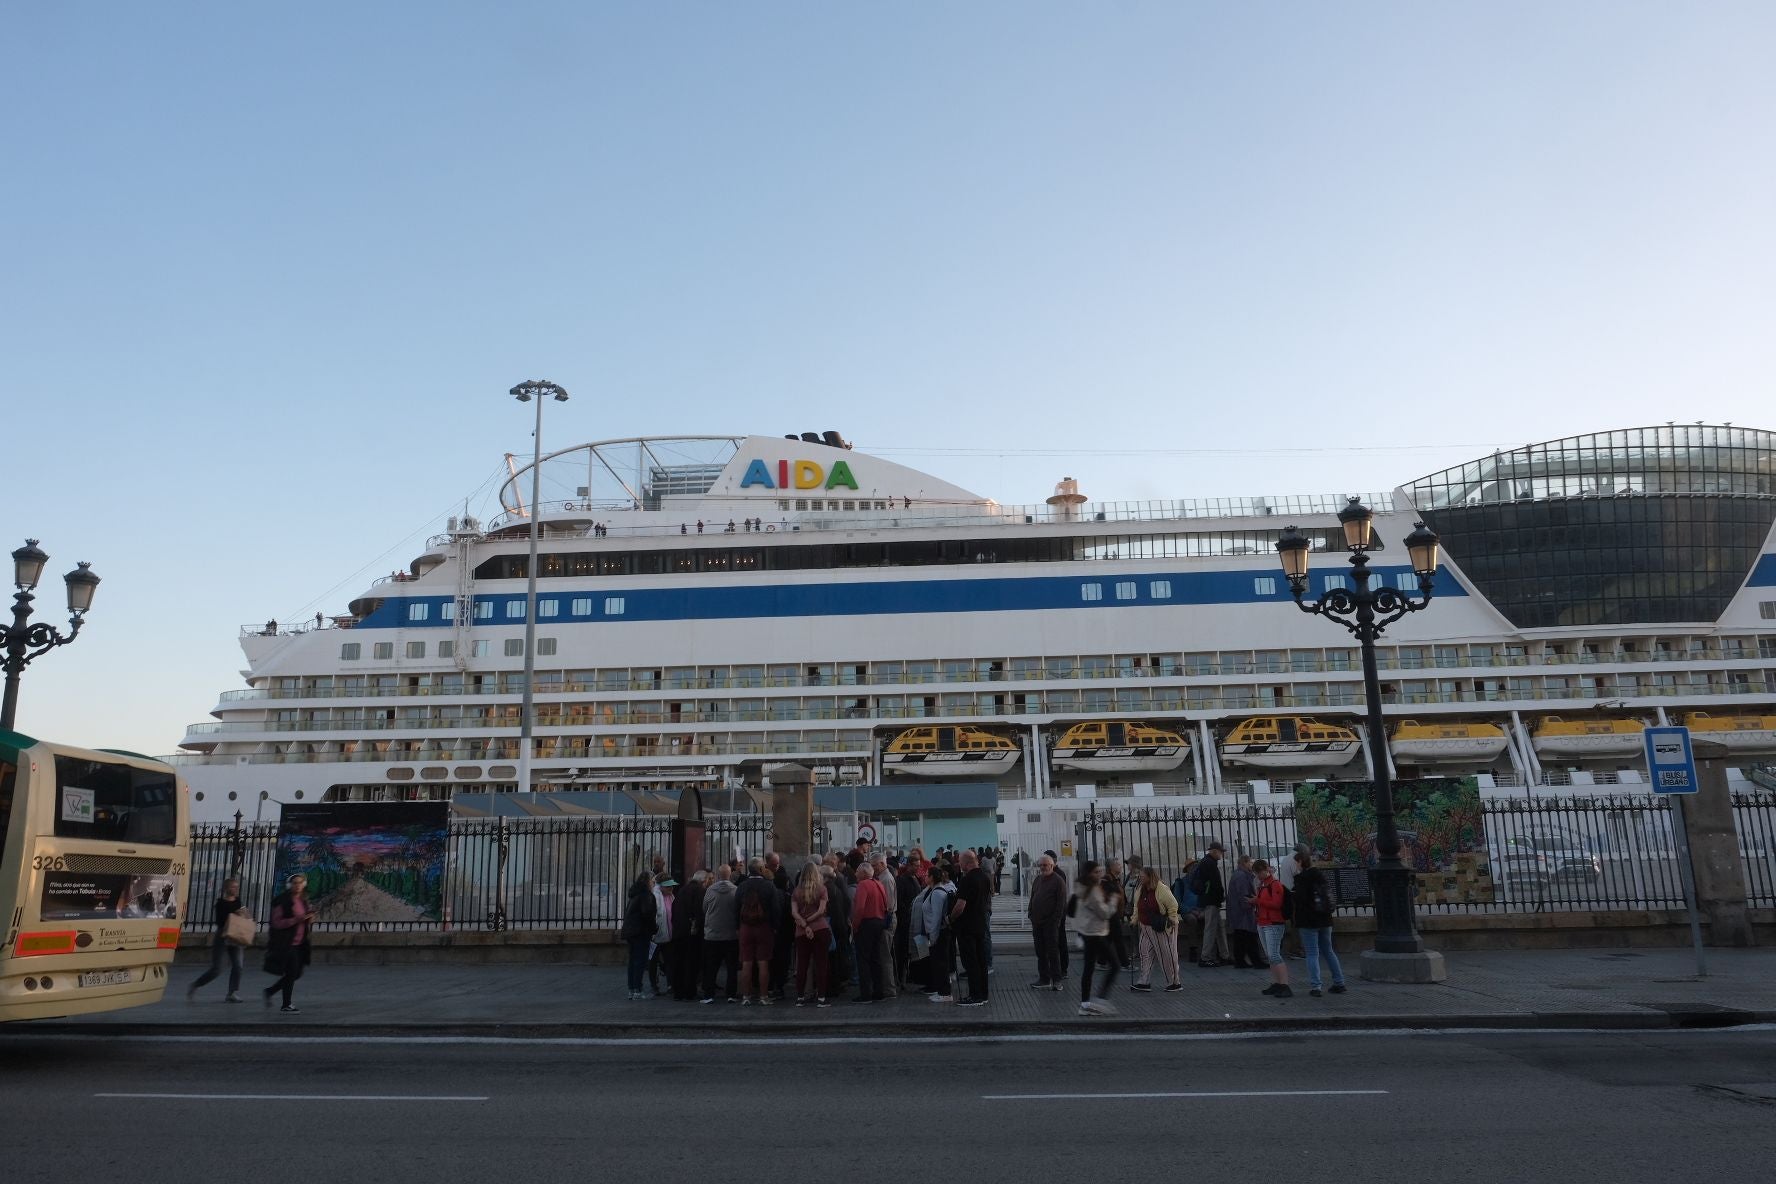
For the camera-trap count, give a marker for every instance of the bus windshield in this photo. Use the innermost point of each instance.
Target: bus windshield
(114, 802)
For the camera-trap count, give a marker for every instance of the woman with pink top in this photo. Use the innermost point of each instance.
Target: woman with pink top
(286, 953)
(813, 935)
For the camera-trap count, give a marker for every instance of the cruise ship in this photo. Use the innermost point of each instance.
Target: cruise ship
(709, 607)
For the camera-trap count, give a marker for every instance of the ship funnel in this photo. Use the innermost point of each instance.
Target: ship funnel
(1066, 500)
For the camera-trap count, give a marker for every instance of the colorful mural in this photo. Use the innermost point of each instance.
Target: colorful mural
(367, 861)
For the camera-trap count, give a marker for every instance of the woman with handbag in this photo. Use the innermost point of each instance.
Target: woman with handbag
(286, 952)
(1156, 911)
(227, 944)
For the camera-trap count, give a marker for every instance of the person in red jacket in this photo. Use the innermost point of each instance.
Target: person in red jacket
(1268, 900)
(869, 919)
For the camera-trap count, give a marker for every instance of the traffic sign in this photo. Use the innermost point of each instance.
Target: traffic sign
(866, 833)
(1671, 764)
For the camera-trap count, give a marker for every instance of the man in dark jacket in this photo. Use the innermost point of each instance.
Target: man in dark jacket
(687, 938)
(1048, 908)
(1211, 894)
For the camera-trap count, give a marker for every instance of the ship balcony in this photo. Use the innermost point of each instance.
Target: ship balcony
(510, 684)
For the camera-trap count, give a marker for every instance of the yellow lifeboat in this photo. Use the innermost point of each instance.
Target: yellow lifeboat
(1289, 742)
(1415, 742)
(949, 750)
(1555, 736)
(1740, 733)
(1119, 746)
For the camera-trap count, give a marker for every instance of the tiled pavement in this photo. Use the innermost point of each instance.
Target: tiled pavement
(1576, 988)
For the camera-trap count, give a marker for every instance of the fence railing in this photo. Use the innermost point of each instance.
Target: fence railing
(1593, 853)
(1581, 854)
(499, 873)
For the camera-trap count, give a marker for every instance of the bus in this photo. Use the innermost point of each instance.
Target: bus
(94, 851)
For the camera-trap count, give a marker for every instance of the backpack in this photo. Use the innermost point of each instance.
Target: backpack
(1319, 896)
(752, 909)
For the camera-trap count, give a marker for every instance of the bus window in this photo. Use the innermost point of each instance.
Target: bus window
(114, 802)
(8, 778)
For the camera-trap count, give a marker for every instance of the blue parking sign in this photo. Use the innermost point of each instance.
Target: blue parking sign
(1671, 764)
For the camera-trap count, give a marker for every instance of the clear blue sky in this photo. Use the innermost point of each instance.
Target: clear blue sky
(268, 271)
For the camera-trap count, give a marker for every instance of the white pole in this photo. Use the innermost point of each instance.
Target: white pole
(528, 716)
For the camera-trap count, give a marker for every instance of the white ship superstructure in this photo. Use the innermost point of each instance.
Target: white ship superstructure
(708, 607)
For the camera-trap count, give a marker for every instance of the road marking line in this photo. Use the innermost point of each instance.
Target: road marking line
(1244, 1093)
(308, 1097)
(96, 1032)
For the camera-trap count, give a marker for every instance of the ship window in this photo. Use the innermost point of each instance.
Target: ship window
(818, 504)
(1125, 590)
(1160, 589)
(1405, 580)
(484, 610)
(613, 606)
(416, 649)
(850, 505)
(545, 647)
(514, 647)
(1091, 591)
(1265, 585)
(383, 649)
(447, 649)
(1767, 609)
(582, 606)
(514, 610)
(801, 503)
(350, 651)
(549, 608)
(1337, 581)
(481, 649)
(418, 612)
(447, 611)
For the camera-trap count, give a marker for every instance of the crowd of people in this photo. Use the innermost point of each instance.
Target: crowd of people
(870, 925)
(866, 925)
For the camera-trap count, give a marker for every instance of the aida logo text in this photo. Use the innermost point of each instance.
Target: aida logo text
(799, 474)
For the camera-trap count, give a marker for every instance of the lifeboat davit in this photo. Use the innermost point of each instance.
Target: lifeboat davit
(1289, 742)
(1117, 746)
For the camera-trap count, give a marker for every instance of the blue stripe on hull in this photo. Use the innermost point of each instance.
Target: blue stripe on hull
(860, 599)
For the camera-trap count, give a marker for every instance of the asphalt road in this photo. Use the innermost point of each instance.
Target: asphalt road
(1506, 1107)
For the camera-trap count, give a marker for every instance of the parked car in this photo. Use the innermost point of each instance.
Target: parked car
(1562, 857)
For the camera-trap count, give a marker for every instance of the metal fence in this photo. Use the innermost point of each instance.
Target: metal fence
(500, 873)
(1580, 853)
(1754, 817)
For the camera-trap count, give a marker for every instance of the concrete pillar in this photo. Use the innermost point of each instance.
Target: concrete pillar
(792, 816)
(1714, 850)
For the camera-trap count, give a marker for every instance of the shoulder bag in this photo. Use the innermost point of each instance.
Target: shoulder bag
(240, 929)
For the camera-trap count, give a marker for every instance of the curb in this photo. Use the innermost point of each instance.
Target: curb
(1655, 1020)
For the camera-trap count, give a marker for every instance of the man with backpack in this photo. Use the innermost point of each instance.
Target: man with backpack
(1313, 920)
(1211, 894)
(757, 907)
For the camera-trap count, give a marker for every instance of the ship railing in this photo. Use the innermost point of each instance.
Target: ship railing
(874, 512)
(1051, 702)
(275, 628)
(555, 684)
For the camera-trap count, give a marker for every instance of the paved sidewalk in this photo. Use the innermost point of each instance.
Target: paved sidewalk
(1527, 989)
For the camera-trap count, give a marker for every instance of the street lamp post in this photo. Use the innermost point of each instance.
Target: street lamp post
(1399, 954)
(25, 642)
(525, 392)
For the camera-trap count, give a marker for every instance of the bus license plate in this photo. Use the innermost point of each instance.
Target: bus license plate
(107, 978)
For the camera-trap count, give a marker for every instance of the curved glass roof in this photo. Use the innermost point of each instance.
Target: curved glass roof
(1671, 459)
